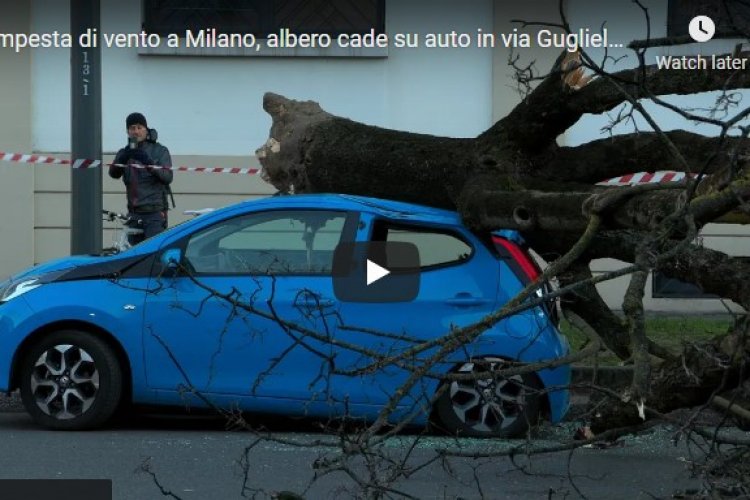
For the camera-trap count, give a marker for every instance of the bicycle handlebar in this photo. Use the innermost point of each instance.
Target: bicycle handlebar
(111, 216)
(122, 218)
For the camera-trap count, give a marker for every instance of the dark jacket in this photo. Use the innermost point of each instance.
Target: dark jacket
(146, 190)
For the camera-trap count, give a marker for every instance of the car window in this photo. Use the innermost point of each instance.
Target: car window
(436, 247)
(278, 242)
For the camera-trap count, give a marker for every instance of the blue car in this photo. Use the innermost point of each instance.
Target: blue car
(256, 307)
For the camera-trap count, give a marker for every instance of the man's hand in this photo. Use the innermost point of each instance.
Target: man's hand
(124, 157)
(141, 157)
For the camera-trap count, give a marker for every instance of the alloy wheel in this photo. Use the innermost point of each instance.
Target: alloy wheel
(486, 405)
(64, 381)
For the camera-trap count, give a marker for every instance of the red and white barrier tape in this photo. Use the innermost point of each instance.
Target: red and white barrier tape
(623, 180)
(645, 178)
(49, 160)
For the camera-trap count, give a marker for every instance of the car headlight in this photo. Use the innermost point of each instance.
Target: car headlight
(15, 287)
(12, 289)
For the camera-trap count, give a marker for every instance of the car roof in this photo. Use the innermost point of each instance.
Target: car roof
(386, 208)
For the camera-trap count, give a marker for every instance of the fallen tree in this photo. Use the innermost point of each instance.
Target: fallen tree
(515, 175)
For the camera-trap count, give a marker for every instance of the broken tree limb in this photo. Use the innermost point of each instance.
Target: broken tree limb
(686, 381)
(312, 151)
(732, 407)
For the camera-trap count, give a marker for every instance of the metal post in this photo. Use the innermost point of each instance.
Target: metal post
(86, 126)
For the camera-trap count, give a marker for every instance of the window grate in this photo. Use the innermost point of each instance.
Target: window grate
(663, 287)
(262, 17)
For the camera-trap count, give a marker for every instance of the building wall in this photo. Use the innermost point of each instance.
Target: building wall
(16, 183)
(505, 92)
(212, 105)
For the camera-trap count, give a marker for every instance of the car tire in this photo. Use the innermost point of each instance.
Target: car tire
(71, 380)
(501, 407)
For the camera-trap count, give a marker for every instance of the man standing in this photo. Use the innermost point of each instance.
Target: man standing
(146, 187)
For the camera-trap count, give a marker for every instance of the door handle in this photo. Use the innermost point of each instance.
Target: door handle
(310, 301)
(326, 303)
(465, 299)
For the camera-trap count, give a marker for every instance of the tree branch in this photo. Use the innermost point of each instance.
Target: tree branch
(600, 96)
(638, 152)
(706, 268)
(589, 305)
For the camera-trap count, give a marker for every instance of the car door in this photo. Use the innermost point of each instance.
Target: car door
(250, 314)
(458, 286)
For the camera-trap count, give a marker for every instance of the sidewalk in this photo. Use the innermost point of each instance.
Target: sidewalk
(10, 403)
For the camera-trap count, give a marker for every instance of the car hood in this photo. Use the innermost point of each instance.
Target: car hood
(76, 264)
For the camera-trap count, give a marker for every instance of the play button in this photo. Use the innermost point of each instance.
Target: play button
(376, 271)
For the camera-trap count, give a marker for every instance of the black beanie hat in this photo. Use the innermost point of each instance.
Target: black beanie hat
(134, 118)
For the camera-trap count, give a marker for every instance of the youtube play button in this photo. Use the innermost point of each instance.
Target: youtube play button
(376, 272)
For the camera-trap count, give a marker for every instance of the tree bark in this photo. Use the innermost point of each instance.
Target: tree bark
(644, 151)
(313, 151)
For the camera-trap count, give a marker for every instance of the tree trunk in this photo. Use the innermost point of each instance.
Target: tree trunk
(321, 153)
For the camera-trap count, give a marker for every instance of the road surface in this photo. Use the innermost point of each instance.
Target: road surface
(197, 458)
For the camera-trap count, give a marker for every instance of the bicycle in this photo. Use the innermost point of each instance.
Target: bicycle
(120, 241)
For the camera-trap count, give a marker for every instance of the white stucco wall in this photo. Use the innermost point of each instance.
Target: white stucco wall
(212, 105)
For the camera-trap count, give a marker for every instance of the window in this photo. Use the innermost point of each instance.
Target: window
(283, 242)
(262, 17)
(663, 287)
(435, 247)
(730, 17)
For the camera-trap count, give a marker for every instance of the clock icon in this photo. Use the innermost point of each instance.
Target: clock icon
(701, 28)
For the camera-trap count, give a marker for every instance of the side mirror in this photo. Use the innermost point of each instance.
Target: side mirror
(171, 258)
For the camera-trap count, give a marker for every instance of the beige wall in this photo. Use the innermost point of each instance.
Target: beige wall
(211, 106)
(16, 182)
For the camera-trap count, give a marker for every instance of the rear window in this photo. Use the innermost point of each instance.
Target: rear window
(436, 247)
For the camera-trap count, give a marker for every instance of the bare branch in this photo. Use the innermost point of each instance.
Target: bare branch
(601, 96)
